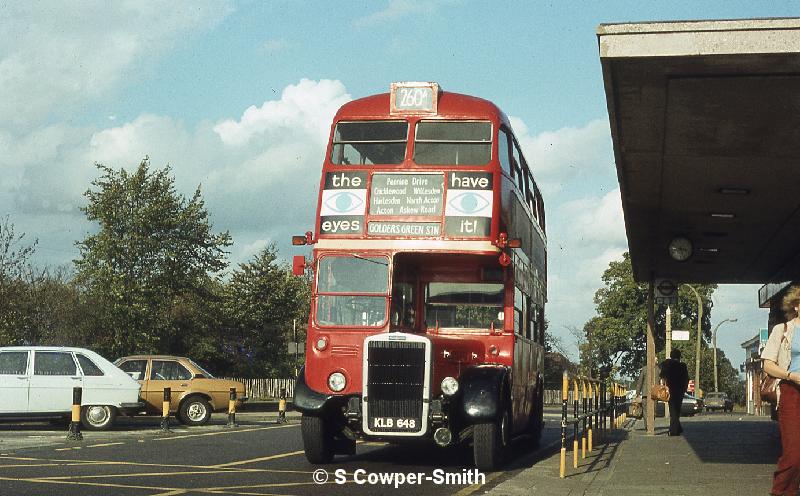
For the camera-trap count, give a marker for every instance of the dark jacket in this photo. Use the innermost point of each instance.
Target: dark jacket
(676, 376)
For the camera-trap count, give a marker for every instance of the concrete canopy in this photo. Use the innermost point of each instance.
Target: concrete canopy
(705, 120)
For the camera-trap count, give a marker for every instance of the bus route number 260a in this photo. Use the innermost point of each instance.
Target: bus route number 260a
(394, 423)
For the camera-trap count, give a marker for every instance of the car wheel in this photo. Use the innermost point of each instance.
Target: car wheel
(490, 442)
(98, 417)
(194, 410)
(318, 442)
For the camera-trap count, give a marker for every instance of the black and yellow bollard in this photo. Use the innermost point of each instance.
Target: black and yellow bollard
(282, 407)
(576, 421)
(564, 397)
(232, 409)
(165, 410)
(74, 433)
(584, 431)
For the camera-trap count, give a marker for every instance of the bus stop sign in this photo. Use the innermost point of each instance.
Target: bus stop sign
(665, 292)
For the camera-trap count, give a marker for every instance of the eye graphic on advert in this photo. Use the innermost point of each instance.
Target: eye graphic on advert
(343, 202)
(468, 203)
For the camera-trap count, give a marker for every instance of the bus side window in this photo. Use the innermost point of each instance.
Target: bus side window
(519, 312)
(532, 315)
(516, 166)
(530, 194)
(540, 206)
(503, 145)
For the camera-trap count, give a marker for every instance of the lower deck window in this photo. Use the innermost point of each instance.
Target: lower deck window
(464, 305)
(351, 310)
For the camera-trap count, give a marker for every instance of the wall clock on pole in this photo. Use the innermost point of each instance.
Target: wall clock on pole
(680, 249)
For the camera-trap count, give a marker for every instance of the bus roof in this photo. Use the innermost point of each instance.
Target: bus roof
(450, 106)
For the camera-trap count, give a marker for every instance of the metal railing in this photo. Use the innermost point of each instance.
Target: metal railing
(592, 409)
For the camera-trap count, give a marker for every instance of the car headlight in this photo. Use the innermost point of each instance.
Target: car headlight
(337, 382)
(449, 386)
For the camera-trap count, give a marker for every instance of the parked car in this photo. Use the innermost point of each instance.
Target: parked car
(37, 382)
(195, 393)
(691, 405)
(718, 401)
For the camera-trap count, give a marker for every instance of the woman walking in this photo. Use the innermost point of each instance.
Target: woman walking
(781, 358)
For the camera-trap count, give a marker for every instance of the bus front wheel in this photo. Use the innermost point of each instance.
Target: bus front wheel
(318, 442)
(490, 442)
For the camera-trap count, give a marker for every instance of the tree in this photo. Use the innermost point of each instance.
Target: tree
(14, 269)
(616, 336)
(261, 301)
(154, 251)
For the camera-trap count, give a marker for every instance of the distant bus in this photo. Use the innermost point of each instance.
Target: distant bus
(430, 279)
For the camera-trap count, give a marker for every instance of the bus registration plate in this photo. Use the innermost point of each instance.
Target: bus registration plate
(394, 423)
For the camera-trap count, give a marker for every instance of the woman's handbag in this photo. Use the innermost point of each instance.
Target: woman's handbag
(660, 392)
(769, 388)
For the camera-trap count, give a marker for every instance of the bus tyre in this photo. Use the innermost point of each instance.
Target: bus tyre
(490, 442)
(318, 442)
(536, 422)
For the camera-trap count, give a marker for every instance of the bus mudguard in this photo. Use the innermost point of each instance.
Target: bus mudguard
(306, 400)
(483, 392)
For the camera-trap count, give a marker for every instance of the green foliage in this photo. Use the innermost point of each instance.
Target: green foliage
(616, 337)
(14, 270)
(154, 253)
(261, 302)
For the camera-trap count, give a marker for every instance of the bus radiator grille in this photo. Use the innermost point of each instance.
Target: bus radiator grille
(396, 381)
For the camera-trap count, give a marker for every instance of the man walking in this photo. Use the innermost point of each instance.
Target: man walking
(675, 374)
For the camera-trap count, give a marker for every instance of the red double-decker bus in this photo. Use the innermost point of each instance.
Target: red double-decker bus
(429, 279)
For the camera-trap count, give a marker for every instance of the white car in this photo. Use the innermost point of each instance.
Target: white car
(37, 382)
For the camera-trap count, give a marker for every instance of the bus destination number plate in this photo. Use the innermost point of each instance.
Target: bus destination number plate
(394, 423)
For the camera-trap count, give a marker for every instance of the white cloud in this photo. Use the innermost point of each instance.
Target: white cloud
(261, 185)
(307, 106)
(597, 220)
(559, 157)
(56, 55)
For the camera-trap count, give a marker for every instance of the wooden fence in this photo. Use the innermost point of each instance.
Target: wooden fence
(265, 389)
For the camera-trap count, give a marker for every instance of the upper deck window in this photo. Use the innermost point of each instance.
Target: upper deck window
(453, 143)
(369, 142)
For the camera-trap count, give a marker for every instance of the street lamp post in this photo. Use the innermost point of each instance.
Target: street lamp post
(714, 344)
(699, 335)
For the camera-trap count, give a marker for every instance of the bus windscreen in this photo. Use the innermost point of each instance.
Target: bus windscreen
(342, 284)
(369, 142)
(464, 305)
(453, 143)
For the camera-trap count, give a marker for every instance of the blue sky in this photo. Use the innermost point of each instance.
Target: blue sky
(238, 97)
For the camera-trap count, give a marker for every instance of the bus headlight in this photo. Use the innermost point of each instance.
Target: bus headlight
(337, 382)
(449, 386)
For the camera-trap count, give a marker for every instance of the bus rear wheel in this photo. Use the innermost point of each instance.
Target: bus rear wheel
(490, 442)
(318, 442)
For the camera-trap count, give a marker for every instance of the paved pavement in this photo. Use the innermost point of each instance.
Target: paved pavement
(719, 454)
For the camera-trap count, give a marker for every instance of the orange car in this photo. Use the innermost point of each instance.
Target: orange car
(195, 392)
